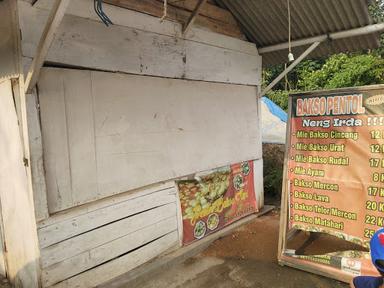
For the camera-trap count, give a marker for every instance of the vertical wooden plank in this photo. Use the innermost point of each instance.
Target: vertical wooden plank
(81, 136)
(258, 163)
(3, 267)
(16, 199)
(56, 143)
(37, 164)
(19, 223)
(179, 215)
(258, 182)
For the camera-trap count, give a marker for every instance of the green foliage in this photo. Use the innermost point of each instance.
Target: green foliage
(344, 70)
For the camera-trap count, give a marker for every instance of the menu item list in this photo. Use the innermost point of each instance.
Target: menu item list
(336, 164)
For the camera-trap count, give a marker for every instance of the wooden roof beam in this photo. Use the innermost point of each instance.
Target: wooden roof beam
(193, 16)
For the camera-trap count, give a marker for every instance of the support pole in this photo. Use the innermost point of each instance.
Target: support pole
(375, 28)
(289, 69)
(54, 20)
(193, 16)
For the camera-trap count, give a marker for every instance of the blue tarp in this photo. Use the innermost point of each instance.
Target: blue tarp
(275, 110)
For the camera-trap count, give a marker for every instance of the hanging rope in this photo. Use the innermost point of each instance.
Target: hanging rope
(290, 55)
(97, 4)
(164, 11)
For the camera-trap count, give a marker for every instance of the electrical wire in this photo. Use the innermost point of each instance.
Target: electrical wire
(97, 5)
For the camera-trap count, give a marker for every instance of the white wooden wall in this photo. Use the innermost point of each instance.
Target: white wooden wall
(139, 44)
(103, 134)
(106, 133)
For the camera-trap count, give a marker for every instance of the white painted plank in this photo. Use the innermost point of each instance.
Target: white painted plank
(87, 43)
(37, 164)
(3, 269)
(106, 252)
(258, 163)
(259, 182)
(91, 44)
(209, 63)
(167, 129)
(81, 137)
(161, 129)
(19, 225)
(66, 229)
(103, 203)
(144, 22)
(179, 215)
(56, 143)
(122, 264)
(94, 238)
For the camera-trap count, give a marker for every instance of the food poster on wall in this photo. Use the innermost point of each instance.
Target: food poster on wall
(214, 199)
(336, 170)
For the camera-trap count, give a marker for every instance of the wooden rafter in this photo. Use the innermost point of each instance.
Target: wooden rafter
(193, 16)
(54, 20)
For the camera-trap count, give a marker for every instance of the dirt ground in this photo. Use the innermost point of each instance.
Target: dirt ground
(246, 258)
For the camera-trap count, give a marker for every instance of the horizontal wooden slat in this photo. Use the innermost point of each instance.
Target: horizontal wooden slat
(116, 267)
(86, 241)
(90, 44)
(103, 203)
(143, 22)
(101, 254)
(68, 228)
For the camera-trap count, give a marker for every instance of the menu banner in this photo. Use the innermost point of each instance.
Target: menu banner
(336, 163)
(214, 199)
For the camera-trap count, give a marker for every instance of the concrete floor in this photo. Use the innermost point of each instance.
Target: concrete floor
(246, 258)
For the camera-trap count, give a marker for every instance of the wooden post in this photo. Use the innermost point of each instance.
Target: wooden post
(16, 199)
(46, 39)
(285, 190)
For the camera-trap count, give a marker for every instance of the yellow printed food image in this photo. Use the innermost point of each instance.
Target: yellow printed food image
(196, 196)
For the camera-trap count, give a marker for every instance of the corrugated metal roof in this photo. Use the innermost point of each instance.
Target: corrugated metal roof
(265, 22)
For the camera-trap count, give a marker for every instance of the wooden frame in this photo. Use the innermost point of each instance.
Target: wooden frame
(285, 187)
(284, 233)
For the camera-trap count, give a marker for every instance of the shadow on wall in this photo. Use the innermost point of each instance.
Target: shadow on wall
(273, 158)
